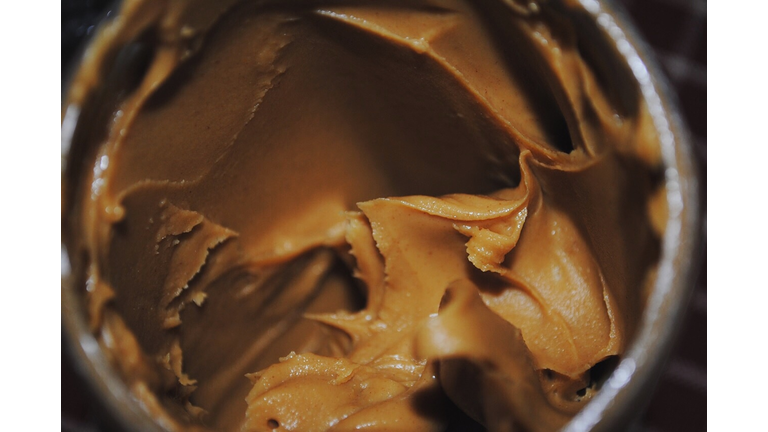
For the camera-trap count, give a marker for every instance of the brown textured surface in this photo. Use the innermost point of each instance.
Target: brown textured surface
(676, 30)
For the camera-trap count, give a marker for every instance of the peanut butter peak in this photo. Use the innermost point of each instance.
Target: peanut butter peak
(309, 216)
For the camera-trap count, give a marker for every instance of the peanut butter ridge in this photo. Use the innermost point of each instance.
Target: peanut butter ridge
(314, 215)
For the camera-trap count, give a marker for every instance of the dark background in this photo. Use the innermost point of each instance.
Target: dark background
(677, 33)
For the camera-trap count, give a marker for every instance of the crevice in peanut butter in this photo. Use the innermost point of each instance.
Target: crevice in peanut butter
(312, 215)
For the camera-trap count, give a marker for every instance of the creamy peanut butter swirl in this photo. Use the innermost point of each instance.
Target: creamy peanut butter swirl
(313, 215)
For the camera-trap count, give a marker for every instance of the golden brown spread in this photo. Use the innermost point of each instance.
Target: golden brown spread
(402, 215)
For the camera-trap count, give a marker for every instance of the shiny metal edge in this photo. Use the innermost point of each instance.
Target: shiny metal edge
(109, 392)
(626, 391)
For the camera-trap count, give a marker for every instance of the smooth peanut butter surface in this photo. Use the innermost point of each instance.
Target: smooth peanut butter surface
(309, 215)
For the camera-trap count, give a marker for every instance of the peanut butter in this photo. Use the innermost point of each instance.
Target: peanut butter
(312, 215)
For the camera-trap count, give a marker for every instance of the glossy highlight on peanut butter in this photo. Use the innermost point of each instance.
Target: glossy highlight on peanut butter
(338, 215)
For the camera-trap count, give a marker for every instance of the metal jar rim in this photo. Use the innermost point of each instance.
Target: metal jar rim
(621, 397)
